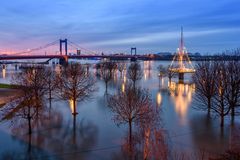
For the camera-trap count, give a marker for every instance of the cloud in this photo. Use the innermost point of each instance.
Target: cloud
(112, 24)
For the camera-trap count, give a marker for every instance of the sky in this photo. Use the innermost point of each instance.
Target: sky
(210, 26)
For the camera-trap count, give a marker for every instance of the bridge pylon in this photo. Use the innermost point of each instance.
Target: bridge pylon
(181, 62)
(63, 41)
(134, 50)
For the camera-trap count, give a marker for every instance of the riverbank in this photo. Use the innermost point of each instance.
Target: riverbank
(7, 94)
(8, 86)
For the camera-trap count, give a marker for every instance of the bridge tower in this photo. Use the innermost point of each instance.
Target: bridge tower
(64, 41)
(64, 60)
(134, 50)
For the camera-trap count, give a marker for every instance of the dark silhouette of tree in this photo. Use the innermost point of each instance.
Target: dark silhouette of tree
(110, 66)
(218, 87)
(121, 67)
(98, 68)
(134, 72)
(31, 83)
(50, 83)
(170, 74)
(204, 79)
(75, 84)
(220, 106)
(106, 73)
(233, 86)
(132, 106)
(162, 71)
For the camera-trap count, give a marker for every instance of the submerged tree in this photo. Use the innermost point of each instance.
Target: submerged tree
(134, 72)
(50, 80)
(162, 71)
(106, 73)
(205, 79)
(218, 87)
(233, 86)
(28, 105)
(110, 66)
(75, 84)
(132, 106)
(220, 106)
(170, 74)
(121, 67)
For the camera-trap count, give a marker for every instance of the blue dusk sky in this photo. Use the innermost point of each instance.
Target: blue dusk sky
(152, 26)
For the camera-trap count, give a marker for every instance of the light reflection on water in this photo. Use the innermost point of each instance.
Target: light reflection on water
(159, 99)
(182, 97)
(71, 105)
(4, 73)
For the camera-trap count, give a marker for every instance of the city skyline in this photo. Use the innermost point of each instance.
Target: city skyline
(108, 26)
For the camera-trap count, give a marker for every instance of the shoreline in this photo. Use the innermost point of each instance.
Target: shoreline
(7, 94)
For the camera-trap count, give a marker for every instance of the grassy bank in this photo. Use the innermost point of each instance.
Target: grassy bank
(9, 86)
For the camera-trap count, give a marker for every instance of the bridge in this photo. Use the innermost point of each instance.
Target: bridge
(68, 50)
(181, 63)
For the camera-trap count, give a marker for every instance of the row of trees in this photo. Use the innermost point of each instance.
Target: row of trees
(72, 83)
(218, 87)
(106, 71)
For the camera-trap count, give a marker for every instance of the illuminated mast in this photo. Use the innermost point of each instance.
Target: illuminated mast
(181, 51)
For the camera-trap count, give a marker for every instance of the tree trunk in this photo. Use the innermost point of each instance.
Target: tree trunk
(130, 140)
(170, 80)
(222, 121)
(232, 111)
(74, 107)
(106, 87)
(29, 126)
(29, 121)
(130, 133)
(74, 130)
(209, 106)
(29, 147)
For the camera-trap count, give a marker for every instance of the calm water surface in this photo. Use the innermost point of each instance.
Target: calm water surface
(95, 135)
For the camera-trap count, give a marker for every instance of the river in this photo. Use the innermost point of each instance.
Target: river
(188, 130)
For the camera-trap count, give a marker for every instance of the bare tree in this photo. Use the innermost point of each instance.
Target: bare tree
(50, 80)
(110, 66)
(134, 72)
(98, 67)
(170, 74)
(204, 79)
(27, 106)
(121, 67)
(106, 73)
(233, 86)
(132, 106)
(75, 84)
(220, 106)
(162, 71)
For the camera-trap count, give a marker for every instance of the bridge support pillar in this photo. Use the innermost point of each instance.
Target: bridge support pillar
(181, 77)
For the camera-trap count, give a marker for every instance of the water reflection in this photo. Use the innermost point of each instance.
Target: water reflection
(71, 105)
(159, 99)
(67, 138)
(123, 87)
(147, 67)
(182, 97)
(4, 73)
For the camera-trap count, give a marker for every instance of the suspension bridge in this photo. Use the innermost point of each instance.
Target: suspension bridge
(65, 49)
